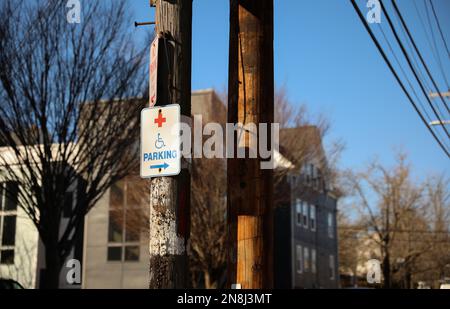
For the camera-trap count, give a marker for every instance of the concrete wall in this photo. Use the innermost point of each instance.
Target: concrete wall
(98, 272)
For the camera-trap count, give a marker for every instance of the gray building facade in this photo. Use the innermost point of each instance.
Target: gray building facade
(306, 245)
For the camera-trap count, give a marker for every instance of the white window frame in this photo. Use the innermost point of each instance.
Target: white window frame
(3, 214)
(305, 216)
(313, 261)
(124, 244)
(299, 259)
(298, 212)
(332, 267)
(330, 225)
(314, 176)
(312, 217)
(306, 265)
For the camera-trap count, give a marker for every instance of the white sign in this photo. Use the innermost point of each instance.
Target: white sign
(153, 71)
(160, 141)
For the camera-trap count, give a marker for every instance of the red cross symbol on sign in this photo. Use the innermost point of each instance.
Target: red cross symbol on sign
(160, 120)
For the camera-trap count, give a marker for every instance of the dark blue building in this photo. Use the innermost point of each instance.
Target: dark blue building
(306, 247)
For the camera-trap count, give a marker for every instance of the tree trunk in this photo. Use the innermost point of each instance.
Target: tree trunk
(53, 265)
(408, 278)
(387, 271)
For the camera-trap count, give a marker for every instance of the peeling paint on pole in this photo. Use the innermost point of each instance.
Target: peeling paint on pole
(164, 239)
(166, 247)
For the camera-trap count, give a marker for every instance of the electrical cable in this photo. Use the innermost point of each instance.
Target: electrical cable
(408, 60)
(380, 49)
(397, 11)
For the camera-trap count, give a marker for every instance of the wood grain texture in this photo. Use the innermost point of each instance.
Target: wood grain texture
(251, 99)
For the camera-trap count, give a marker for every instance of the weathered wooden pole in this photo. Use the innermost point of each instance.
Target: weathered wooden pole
(170, 196)
(250, 188)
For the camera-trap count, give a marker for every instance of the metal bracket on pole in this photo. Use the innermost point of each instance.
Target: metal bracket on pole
(147, 23)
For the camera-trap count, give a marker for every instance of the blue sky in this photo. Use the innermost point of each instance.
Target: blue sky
(326, 60)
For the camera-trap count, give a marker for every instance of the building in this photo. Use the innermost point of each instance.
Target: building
(21, 252)
(18, 240)
(113, 252)
(114, 247)
(306, 245)
(112, 258)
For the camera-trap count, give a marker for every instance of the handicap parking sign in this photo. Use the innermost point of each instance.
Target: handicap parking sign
(160, 141)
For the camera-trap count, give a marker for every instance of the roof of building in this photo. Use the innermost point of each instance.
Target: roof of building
(302, 144)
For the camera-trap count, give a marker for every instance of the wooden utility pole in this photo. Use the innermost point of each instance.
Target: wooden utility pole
(250, 188)
(170, 196)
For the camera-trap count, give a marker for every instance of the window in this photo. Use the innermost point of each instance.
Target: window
(8, 215)
(305, 215)
(306, 259)
(299, 259)
(330, 225)
(293, 180)
(312, 217)
(321, 181)
(308, 174)
(298, 211)
(124, 223)
(313, 261)
(314, 177)
(332, 269)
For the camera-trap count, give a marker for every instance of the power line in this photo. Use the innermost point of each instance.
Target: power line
(397, 11)
(359, 228)
(439, 27)
(380, 49)
(361, 237)
(408, 60)
(438, 55)
(427, 36)
(404, 73)
(406, 77)
(416, 62)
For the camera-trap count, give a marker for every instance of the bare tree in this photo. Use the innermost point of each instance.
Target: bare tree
(208, 223)
(208, 205)
(301, 141)
(404, 218)
(434, 265)
(348, 246)
(63, 120)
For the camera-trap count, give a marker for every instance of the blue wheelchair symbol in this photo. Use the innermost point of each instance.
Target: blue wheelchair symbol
(159, 143)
